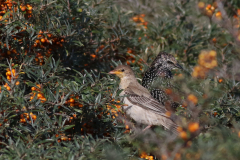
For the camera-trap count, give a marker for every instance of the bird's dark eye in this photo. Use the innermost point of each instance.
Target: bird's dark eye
(122, 70)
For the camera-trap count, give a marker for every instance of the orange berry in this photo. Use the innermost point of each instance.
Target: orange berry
(101, 47)
(34, 117)
(238, 12)
(214, 40)
(220, 80)
(43, 40)
(168, 113)
(39, 86)
(179, 129)
(63, 138)
(23, 8)
(215, 114)
(23, 120)
(193, 127)
(208, 6)
(135, 19)
(193, 98)
(183, 135)
(8, 73)
(145, 23)
(141, 19)
(71, 100)
(17, 83)
(201, 5)
(8, 88)
(219, 14)
(29, 8)
(43, 100)
(168, 91)
(39, 95)
(93, 55)
(129, 51)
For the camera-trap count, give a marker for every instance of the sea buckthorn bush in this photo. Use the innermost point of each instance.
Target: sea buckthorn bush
(58, 102)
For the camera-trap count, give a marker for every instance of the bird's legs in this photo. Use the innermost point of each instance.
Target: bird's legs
(149, 126)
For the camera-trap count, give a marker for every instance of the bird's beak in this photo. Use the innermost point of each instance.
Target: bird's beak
(114, 72)
(178, 66)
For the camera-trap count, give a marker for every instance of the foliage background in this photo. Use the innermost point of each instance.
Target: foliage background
(57, 102)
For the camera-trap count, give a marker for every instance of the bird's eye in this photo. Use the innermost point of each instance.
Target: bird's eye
(122, 70)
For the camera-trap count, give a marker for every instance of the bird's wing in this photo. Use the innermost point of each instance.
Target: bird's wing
(145, 102)
(151, 104)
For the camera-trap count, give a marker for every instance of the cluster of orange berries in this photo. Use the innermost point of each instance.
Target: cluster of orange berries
(139, 19)
(236, 21)
(192, 128)
(71, 101)
(114, 111)
(28, 8)
(27, 116)
(209, 9)
(99, 48)
(63, 137)
(6, 52)
(36, 91)
(144, 155)
(7, 6)
(207, 60)
(43, 38)
(131, 59)
(11, 74)
(46, 39)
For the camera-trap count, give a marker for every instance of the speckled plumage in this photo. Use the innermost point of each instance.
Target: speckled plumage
(160, 67)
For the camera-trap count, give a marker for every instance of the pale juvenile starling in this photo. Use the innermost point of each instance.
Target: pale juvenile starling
(160, 67)
(140, 105)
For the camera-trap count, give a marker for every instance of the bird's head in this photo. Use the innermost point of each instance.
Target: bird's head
(122, 71)
(166, 61)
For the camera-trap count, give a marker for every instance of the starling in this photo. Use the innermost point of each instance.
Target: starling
(140, 105)
(160, 67)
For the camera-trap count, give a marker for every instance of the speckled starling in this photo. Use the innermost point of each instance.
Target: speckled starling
(161, 67)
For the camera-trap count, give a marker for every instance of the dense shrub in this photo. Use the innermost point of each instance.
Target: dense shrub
(58, 102)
